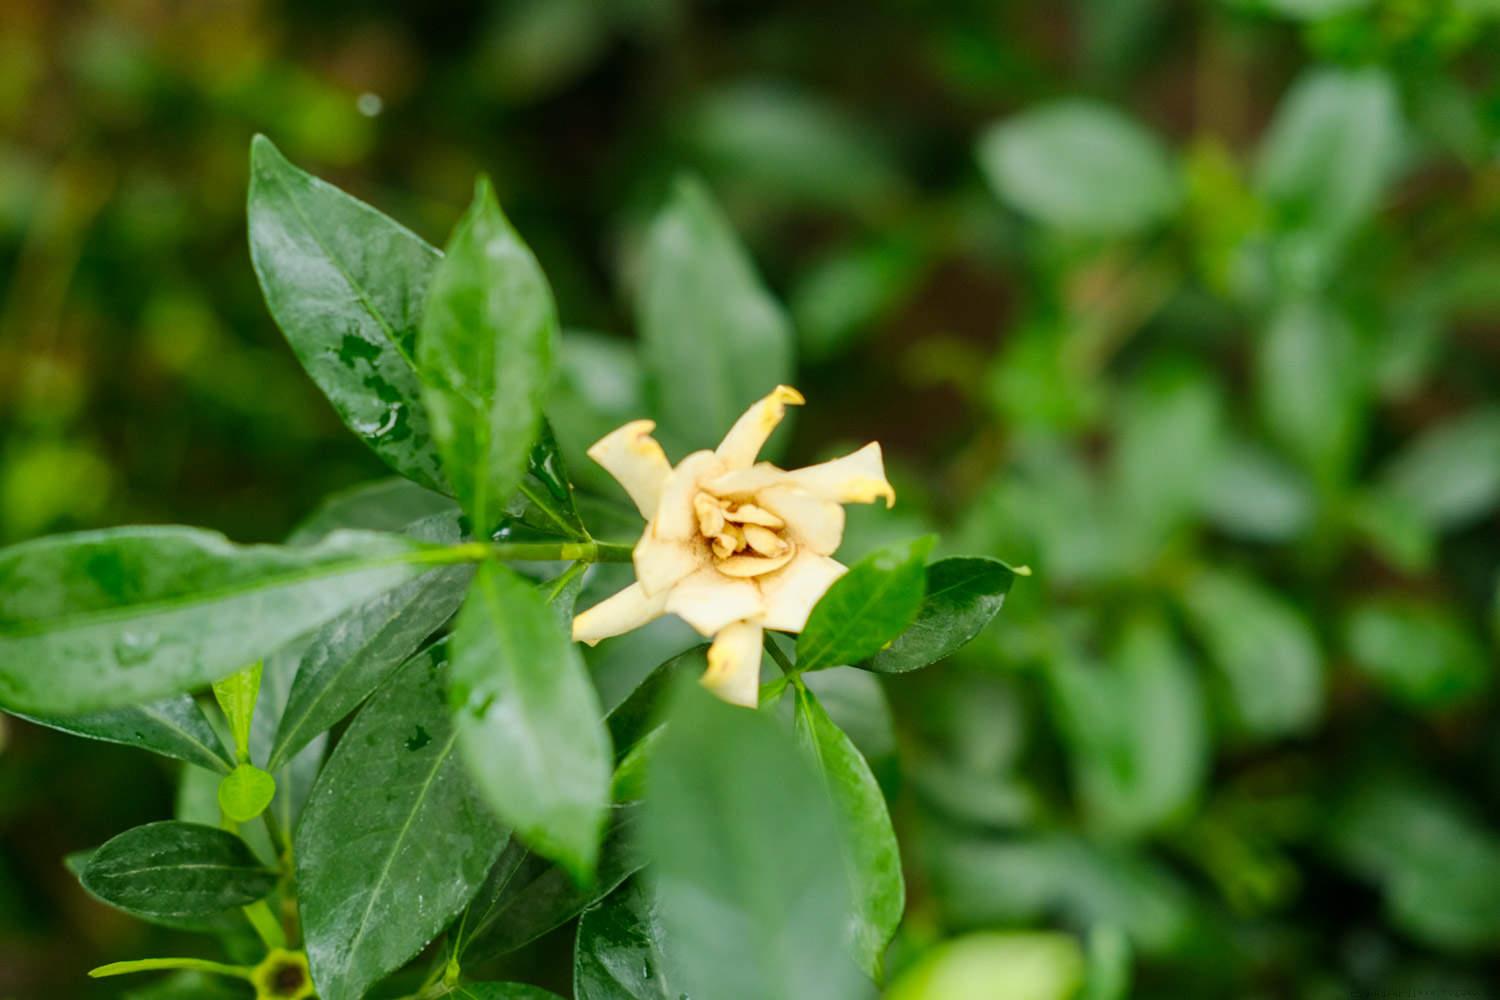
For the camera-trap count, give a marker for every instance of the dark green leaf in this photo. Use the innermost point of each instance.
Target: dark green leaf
(486, 356)
(501, 991)
(618, 955)
(1421, 653)
(346, 285)
(879, 892)
(108, 618)
(1080, 166)
(529, 896)
(351, 655)
(744, 845)
(528, 720)
(176, 871)
(866, 608)
(544, 506)
(395, 839)
(963, 594)
(713, 341)
(1266, 654)
(173, 727)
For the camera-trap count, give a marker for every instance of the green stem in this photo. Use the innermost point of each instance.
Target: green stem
(157, 964)
(590, 552)
(786, 665)
(266, 924)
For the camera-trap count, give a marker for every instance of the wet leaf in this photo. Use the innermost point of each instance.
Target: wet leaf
(176, 871)
(173, 727)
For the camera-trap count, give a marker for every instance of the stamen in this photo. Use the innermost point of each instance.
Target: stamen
(749, 513)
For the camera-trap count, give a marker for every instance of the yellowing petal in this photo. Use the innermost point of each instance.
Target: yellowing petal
(734, 664)
(790, 594)
(749, 433)
(629, 609)
(811, 522)
(856, 478)
(708, 600)
(659, 563)
(637, 462)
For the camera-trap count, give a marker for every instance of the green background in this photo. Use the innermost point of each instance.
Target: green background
(1193, 307)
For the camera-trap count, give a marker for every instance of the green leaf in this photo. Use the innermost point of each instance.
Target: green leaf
(172, 870)
(108, 618)
(346, 285)
(1168, 444)
(1311, 390)
(1332, 149)
(544, 506)
(1256, 495)
(618, 955)
(879, 892)
(744, 842)
(501, 991)
(1264, 650)
(528, 720)
(599, 386)
(848, 292)
(236, 696)
(526, 896)
(962, 595)
(713, 340)
(245, 792)
(1445, 894)
(1450, 474)
(1137, 732)
(486, 356)
(1421, 653)
(396, 506)
(353, 654)
(173, 727)
(1037, 965)
(395, 839)
(866, 608)
(1082, 167)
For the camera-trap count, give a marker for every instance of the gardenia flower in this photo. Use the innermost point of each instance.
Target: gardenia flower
(731, 546)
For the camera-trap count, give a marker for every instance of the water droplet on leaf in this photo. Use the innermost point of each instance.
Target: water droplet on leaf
(135, 648)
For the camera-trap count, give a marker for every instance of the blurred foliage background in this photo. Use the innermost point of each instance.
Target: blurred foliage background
(1192, 306)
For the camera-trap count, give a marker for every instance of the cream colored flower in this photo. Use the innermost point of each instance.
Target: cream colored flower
(731, 546)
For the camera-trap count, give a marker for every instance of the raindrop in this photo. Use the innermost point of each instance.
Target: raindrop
(645, 969)
(372, 428)
(135, 648)
(418, 740)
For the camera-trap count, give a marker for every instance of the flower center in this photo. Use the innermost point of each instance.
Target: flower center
(745, 540)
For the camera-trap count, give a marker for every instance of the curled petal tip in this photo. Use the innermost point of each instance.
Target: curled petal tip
(788, 395)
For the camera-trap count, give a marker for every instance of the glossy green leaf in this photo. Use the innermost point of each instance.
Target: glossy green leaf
(173, 727)
(501, 991)
(528, 721)
(176, 871)
(391, 505)
(1082, 167)
(350, 656)
(107, 618)
(395, 839)
(346, 285)
(245, 792)
(544, 505)
(744, 847)
(1420, 653)
(486, 354)
(713, 340)
(874, 858)
(618, 955)
(526, 896)
(1264, 650)
(962, 595)
(866, 608)
(1038, 965)
(1450, 475)
(1137, 732)
(1332, 149)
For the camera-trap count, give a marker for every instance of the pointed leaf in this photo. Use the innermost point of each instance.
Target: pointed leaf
(879, 891)
(713, 341)
(395, 838)
(744, 845)
(346, 285)
(173, 727)
(618, 955)
(866, 608)
(528, 720)
(963, 594)
(176, 871)
(486, 353)
(108, 618)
